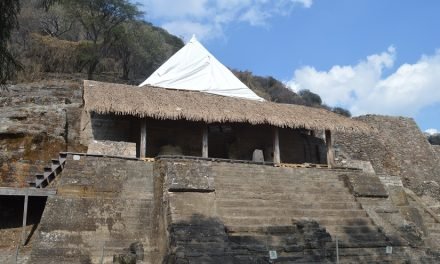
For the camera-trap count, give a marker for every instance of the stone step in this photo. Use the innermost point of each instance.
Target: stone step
(391, 259)
(373, 251)
(432, 225)
(434, 235)
(275, 172)
(373, 237)
(279, 180)
(294, 213)
(434, 231)
(352, 229)
(252, 173)
(287, 230)
(248, 178)
(285, 221)
(289, 196)
(281, 188)
(281, 242)
(240, 203)
(366, 242)
(285, 258)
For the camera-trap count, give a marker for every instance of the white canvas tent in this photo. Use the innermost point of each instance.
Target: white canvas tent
(194, 68)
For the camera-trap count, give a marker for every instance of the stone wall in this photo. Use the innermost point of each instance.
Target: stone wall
(37, 120)
(397, 148)
(112, 148)
(103, 205)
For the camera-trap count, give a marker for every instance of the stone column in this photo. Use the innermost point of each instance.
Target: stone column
(330, 151)
(25, 209)
(205, 142)
(143, 141)
(276, 146)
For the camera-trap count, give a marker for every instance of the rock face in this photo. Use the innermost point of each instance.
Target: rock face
(37, 120)
(437, 149)
(397, 148)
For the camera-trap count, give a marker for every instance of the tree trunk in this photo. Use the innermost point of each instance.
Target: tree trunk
(92, 68)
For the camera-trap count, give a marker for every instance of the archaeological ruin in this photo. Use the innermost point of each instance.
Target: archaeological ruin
(96, 172)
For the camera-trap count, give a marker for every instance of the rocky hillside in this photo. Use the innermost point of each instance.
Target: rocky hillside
(37, 120)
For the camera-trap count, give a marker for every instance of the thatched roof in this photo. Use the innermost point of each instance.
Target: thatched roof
(160, 103)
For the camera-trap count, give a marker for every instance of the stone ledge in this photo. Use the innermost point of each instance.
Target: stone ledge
(365, 185)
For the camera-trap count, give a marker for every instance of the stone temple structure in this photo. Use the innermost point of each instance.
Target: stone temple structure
(172, 176)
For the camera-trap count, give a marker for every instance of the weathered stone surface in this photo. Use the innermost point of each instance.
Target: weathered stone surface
(257, 155)
(37, 120)
(128, 258)
(437, 149)
(184, 205)
(365, 185)
(189, 176)
(252, 209)
(103, 205)
(398, 196)
(112, 148)
(398, 148)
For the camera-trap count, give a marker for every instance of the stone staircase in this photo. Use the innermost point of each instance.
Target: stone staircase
(250, 200)
(42, 180)
(433, 230)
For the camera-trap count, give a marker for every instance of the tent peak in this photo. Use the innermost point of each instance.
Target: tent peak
(194, 68)
(193, 39)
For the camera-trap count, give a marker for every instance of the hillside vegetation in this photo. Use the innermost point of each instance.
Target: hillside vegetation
(108, 40)
(92, 37)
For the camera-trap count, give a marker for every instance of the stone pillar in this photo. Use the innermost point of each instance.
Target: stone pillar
(25, 209)
(276, 146)
(205, 142)
(330, 151)
(143, 141)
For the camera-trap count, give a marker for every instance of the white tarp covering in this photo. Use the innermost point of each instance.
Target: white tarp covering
(194, 68)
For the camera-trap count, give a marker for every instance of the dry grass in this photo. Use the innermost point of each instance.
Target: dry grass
(160, 103)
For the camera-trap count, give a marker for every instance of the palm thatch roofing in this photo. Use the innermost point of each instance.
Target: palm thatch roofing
(160, 103)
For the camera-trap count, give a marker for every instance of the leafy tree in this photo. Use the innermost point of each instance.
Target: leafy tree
(46, 4)
(140, 48)
(341, 111)
(98, 19)
(310, 98)
(55, 22)
(8, 21)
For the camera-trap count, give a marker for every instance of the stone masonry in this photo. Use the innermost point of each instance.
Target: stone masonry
(103, 206)
(397, 148)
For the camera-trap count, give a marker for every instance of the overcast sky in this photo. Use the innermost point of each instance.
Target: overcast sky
(369, 56)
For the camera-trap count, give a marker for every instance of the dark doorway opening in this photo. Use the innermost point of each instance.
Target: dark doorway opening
(11, 217)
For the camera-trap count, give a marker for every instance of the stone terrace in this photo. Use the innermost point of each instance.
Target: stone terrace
(237, 213)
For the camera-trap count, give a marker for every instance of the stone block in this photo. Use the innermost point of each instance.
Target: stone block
(258, 156)
(398, 196)
(365, 185)
(112, 148)
(189, 176)
(192, 206)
